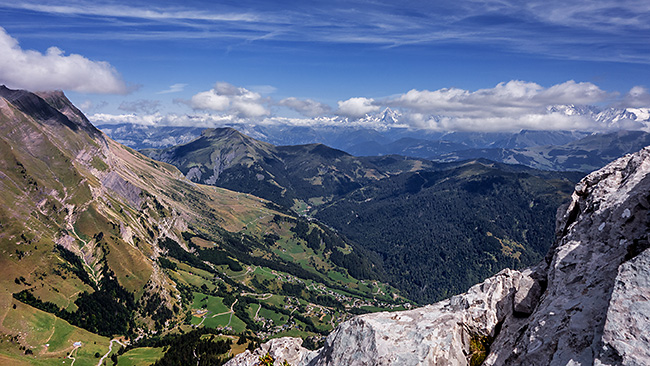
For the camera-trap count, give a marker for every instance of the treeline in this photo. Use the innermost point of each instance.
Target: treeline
(75, 265)
(198, 347)
(106, 311)
(360, 263)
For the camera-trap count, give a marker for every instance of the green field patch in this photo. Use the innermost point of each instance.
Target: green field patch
(276, 300)
(218, 321)
(225, 320)
(338, 276)
(140, 357)
(237, 324)
(373, 309)
(192, 279)
(195, 271)
(300, 207)
(301, 333)
(213, 304)
(278, 319)
(288, 244)
(41, 329)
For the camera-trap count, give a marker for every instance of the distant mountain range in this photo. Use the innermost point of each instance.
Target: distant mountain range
(383, 134)
(284, 174)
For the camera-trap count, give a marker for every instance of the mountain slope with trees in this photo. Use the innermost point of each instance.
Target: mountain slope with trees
(100, 241)
(434, 229)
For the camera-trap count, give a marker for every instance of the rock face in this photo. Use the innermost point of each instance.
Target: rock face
(281, 349)
(595, 308)
(588, 303)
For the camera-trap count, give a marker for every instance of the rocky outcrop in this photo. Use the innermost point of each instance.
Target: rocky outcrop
(587, 303)
(280, 349)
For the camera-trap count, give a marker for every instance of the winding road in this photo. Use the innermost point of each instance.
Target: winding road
(110, 349)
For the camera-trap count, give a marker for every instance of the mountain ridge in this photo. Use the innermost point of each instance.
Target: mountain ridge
(399, 208)
(101, 241)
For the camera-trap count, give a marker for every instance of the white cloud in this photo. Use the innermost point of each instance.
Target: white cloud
(158, 119)
(225, 97)
(638, 96)
(509, 106)
(89, 106)
(32, 70)
(306, 107)
(531, 121)
(173, 89)
(210, 100)
(357, 107)
(503, 99)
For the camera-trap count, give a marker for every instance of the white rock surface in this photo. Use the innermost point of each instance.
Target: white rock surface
(597, 235)
(281, 349)
(588, 303)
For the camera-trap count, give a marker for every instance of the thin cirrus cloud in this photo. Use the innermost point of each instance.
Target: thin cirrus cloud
(33, 70)
(175, 88)
(582, 29)
(140, 106)
(126, 11)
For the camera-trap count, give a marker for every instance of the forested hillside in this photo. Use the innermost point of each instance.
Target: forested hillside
(431, 229)
(439, 232)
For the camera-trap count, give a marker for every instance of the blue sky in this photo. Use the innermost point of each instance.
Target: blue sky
(309, 58)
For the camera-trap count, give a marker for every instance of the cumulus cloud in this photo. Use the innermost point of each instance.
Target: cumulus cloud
(503, 99)
(357, 107)
(306, 107)
(158, 119)
(508, 106)
(140, 106)
(225, 97)
(637, 97)
(173, 89)
(32, 70)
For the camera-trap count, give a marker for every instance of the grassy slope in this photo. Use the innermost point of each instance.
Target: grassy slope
(110, 205)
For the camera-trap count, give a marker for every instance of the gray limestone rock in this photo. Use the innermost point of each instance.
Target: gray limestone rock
(281, 349)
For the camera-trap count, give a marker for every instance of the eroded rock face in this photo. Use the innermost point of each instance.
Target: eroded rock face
(605, 225)
(281, 349)
(438, 334)
(588, 303)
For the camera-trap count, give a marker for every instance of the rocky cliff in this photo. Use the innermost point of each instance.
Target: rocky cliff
(587, 303)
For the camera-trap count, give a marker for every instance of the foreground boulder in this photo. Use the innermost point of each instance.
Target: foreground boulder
(587, 303)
